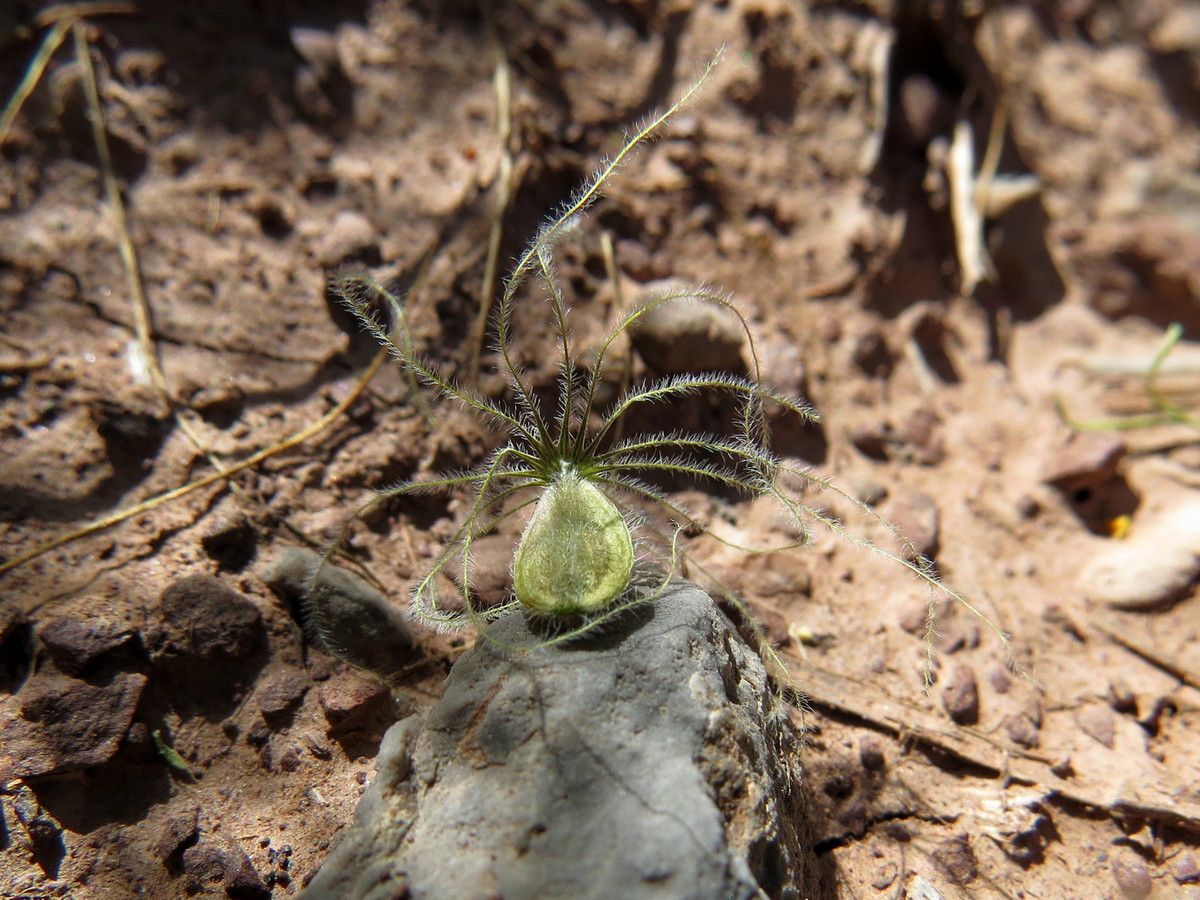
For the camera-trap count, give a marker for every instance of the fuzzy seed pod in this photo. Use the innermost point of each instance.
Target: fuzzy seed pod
(575, 555)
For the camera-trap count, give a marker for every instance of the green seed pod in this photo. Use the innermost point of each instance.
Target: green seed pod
(575, 555)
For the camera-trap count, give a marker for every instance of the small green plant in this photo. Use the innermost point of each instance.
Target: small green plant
(574, 562)
(1166, 412)
(172, 758)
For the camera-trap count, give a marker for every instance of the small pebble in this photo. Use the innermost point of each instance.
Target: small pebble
(74, 643)
(350, 702)
(317, 748)
(921, 434)
(923, 110)
(886, 875)
(872, 356)
(869, 492)
(258, 734)
(1132, 878)
(960, 697)
(202, 620)
(954, 637)
(871, 441)
(1027, 506)
(178, 830)
(871, 755)
(349, 236)
(1021, 731)
(289, 760)
(231, 543)
(687, 336)
(1186, 870)
(956, 859)
(1063, 768)
(207, 865)
(204, 865)
(280, 692)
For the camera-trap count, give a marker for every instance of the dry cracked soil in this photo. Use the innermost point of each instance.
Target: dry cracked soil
(961, 231)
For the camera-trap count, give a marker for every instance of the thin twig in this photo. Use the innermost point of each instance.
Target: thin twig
(974, 264)
(991, 156)
(142, 320)
(61, 18)
(67, 12)
(141, 311)
(33, 75)
(502, 84)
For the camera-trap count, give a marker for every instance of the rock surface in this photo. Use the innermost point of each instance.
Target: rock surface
(75, 642)
(62, 724)
(687, 336)
(203, 620)
(208, 866)
(647, 759)
(351, 702)
(346, 615)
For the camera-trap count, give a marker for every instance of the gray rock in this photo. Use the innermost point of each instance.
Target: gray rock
(491, 570)
(687, 336)
(347, 616)
(350, 235)
(646, 759)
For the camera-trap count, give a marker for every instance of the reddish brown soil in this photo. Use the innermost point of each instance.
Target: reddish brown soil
(261, 146)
